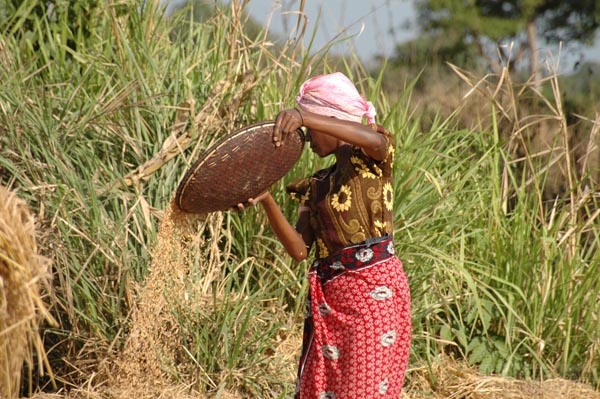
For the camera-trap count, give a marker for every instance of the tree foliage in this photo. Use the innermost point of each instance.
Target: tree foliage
(511, 27)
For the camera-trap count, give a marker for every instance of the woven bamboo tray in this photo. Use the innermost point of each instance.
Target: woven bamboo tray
(241, 165)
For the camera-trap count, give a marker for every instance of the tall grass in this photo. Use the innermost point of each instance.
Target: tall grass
(500, 279)
(96, 139)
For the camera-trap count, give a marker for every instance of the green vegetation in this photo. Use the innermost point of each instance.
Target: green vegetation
(514, 29)
(95, 137)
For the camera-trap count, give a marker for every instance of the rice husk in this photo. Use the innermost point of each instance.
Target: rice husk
(22, 272)
(149, 361)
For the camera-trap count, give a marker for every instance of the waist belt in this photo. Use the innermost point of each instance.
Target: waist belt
(354, 257)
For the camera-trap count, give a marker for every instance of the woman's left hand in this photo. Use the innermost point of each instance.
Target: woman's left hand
(251, 201)
(287, 122)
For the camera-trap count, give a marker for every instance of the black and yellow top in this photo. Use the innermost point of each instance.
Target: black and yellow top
(350, 201)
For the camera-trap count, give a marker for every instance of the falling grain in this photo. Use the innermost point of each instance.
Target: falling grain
(153, 346)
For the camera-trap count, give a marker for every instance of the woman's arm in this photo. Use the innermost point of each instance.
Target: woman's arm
(292, 240)
(357, 134)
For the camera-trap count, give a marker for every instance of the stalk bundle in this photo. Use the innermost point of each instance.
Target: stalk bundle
(22, 272)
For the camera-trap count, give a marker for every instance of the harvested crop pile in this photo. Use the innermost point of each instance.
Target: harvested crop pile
(447, 378)
(22, 273)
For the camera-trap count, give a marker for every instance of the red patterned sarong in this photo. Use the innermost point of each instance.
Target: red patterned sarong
(358, 326)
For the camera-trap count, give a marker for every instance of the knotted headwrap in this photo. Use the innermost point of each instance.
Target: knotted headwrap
(335, 95)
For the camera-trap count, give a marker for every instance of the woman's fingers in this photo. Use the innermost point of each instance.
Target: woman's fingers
(287, 122)
(259, 198)
(278, 129)
(251, 201)
(239, 207)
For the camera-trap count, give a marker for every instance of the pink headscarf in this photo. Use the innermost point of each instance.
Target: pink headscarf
(335, 95)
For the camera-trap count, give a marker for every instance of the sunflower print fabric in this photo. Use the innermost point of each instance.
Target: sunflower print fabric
(351, 200)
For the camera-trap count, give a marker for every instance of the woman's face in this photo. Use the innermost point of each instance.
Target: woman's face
(320, 143)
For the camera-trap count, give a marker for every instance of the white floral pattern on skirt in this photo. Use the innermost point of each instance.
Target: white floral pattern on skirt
(359, 347)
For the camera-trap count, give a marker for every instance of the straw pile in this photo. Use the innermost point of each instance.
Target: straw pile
(448, 378)
(22, 272)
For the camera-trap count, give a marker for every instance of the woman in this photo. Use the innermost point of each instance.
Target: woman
(357, 330)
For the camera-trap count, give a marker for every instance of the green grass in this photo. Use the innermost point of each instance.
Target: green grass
(497, 276)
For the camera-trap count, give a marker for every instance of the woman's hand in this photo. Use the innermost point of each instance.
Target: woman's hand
(286, 122)
(251, 201)
(292, 241)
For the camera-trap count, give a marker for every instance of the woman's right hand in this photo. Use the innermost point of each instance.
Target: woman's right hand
(286, 122)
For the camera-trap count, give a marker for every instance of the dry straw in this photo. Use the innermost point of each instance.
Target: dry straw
(22, 274)
(447, 378)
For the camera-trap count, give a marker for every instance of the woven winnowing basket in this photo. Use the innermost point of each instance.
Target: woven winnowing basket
(241, 165)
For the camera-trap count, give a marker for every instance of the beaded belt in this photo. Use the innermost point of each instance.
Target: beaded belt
(354, 257)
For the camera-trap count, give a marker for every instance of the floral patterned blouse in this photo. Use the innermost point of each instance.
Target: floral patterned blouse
(351, 200)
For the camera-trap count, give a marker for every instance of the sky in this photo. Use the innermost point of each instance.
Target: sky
(371, 27)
